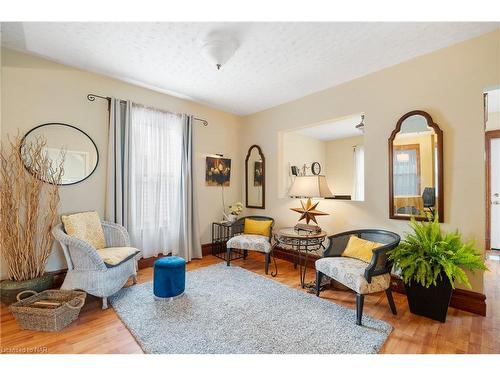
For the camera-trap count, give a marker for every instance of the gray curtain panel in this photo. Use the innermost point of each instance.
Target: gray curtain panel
(189, 231)
(117, 187)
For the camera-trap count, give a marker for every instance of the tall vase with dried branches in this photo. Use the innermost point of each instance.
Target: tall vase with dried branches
(29, 197)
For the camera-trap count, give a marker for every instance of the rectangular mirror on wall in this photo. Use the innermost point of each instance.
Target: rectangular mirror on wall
(332, 148)
(255, 178)
(416, 168)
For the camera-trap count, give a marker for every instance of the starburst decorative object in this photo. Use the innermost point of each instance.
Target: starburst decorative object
(309, 211)
(309, 187)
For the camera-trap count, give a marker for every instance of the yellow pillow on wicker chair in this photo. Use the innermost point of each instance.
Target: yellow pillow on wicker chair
(261, 227)
(360, 249)
(115, 255)
(85, 226)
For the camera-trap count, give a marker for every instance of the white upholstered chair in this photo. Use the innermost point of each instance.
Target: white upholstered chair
(250, 242)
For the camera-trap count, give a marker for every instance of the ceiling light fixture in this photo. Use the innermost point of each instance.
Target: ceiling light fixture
(361, 125)
(218, 47)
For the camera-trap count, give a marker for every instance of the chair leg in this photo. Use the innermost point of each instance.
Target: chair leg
(228, 254)
(359, 308)
(104, 303)
(245, 254)
(319, 276)
(388, 293)
(268, 260)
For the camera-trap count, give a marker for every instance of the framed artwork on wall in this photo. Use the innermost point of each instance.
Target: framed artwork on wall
(217, 171)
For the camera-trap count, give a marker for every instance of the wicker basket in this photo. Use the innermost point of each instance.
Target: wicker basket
(50, 310)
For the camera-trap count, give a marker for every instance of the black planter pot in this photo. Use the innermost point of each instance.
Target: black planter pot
(430, 302)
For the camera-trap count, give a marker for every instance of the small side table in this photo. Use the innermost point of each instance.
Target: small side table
(221, 233)
(302, 243)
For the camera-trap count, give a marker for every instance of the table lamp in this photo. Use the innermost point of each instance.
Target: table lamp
(309, 187)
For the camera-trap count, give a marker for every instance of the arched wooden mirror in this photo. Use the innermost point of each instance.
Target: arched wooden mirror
(416, 168)
(255, 178)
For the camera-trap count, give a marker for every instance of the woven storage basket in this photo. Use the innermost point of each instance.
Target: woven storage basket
(34, 318)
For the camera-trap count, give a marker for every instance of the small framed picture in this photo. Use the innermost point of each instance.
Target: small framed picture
(218, 171)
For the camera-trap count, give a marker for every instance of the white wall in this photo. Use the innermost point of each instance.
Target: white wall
(36, 91)
(448, 84)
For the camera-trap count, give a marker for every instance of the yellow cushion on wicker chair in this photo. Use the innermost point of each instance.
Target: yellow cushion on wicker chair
(116, 255)
(85, 226)
(261, 227)
(360, 249)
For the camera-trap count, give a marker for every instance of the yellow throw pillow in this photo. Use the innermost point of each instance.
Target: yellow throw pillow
(360, 249)
(116, 255)
(261, 227)
(85, 226)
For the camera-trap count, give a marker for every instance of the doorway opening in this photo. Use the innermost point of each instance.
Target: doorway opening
(492, 147)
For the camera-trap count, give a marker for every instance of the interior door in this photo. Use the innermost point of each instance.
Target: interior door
(495, 193)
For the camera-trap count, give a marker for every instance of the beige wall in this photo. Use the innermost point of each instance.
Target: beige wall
(448, 84)
(35, 91)
(340, 165)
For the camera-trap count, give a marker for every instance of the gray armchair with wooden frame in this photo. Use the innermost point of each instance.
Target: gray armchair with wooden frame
(359, 276)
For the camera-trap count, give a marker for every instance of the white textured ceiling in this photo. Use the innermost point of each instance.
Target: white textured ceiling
(331, 130)
(275, 62)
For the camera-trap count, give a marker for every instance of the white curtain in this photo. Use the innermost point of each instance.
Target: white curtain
(359, 173)
(163, 212)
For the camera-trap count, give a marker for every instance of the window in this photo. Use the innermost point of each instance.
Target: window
(359, 173)
(155, 178)
(406, 170)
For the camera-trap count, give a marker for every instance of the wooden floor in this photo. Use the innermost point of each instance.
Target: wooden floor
(98, 331)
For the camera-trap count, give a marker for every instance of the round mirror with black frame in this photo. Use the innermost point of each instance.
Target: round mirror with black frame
(416, 168)
(255, 178)
(81, 156)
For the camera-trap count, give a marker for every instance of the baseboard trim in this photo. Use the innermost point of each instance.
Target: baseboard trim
(149, 262)
(206, 249)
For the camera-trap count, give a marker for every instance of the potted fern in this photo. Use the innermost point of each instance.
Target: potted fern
(431, 263)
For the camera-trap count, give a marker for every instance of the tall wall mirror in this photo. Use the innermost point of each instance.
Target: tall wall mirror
(333, 148)
(80, 152)
(416, 168)
(255, 178)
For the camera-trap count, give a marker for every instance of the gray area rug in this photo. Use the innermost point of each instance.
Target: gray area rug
(231, 310)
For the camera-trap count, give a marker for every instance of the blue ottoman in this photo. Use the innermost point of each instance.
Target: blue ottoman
(169, 277)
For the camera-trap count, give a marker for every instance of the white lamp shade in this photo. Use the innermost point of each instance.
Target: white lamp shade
(310, 187)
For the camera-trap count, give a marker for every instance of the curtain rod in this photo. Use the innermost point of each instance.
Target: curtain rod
(92, 97)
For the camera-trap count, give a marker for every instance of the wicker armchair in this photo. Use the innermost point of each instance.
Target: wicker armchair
(357, 275)
(251, 242)
(86, 269)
